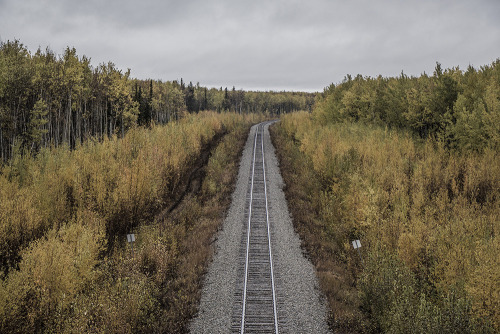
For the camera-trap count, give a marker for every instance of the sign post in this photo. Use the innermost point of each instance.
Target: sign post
(131, 240)
(357, 245)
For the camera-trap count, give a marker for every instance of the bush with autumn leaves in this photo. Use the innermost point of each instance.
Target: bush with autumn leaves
(427, 217)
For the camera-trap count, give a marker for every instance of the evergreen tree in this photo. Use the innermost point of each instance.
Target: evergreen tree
(189, 98)
(34, 129)
(226, 103)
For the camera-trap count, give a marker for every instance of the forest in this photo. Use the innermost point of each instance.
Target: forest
(50, 100)
(410, 166)
(458, 108)
(66, 266)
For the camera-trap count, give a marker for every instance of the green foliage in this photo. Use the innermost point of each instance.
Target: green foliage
(49, 100)
(459, 108)
(35, 130)
(469, 130)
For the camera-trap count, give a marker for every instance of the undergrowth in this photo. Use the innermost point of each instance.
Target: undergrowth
(67, 267)
(427, 219)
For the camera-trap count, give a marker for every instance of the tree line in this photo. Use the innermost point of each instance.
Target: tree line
(49, 100)
(460, 108)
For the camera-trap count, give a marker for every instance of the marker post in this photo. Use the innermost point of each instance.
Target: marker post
(131, 240)
(357, 245)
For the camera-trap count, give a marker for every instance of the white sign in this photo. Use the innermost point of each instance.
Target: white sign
(356, 244)
(130, 237)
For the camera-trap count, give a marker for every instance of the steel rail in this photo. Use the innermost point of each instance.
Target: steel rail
(257, 289)
(269, 237)
(248, 237)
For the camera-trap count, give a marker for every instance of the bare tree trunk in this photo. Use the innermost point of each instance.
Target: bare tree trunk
(101, 122)
(78, 124)
(58, 126)
(68, 122)
(11, 146)
(85, 123)
(1, 146)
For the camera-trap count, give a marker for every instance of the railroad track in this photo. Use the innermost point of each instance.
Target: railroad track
(255, 307)
(259, 280)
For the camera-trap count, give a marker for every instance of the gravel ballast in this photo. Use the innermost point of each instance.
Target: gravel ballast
(300, 307)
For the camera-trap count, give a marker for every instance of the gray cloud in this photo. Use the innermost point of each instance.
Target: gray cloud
(262, 44)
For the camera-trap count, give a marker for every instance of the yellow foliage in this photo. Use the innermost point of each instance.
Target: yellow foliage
(53, 271)
(58, 210)
(19, 220)
(435, 209)
(61, 264)
(484, 281)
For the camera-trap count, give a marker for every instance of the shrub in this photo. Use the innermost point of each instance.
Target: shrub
(432, 211)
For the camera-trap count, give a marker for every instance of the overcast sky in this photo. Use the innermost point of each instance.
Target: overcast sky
(262, 44)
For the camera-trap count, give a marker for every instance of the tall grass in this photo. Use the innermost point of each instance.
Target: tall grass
(63, 219)
(428, 221)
